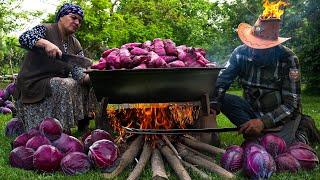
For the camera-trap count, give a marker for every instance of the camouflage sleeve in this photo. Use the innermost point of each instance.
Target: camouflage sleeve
(291, 91)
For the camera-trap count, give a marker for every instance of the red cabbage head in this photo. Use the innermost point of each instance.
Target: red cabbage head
(37, 141)
(232, 159)
(67, 144)
(22, 157)
(75, 163)
(259, 165)
(47, 158)
(103, 153)
(274, 144)
(287, 163)
(14, 127)
(306, 156)
(51, 128)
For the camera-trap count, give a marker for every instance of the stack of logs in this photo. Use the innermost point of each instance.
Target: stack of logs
(182, 154)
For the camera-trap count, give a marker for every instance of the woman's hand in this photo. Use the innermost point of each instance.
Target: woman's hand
(51, 49)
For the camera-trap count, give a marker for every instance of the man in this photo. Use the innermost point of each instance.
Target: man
(270, 77)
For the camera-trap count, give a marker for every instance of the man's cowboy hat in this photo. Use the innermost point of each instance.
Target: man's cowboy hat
(264, 34)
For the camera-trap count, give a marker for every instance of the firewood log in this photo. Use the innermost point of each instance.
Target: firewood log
(144, 158)
(127, 158)
(158, 171)
(175, 163)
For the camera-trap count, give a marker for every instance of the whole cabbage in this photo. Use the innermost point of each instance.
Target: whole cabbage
(5, 110)
(10, 88)
(232, 159)
(14, 127)
(75, 163)
(286, 162)
(103, 153)
(259, 165)
(37, 141)
(22, 157)
(21, 140)
(67, 144)
(51, 128)
(252, 147)
(4, 94)
(99, 134)
(11, 107)
(305, 155)
(274, 144)
(47, 158)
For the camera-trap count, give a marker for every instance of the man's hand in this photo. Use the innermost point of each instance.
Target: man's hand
(252, 127)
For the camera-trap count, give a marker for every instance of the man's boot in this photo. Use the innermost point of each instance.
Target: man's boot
(307, 131)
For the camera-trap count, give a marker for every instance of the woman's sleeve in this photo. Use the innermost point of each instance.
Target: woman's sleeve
(76, 71)
(29, 38)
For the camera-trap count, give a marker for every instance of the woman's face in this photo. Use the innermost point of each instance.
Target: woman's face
(70, 23)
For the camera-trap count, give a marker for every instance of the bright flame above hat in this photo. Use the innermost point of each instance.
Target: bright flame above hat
(273, 9)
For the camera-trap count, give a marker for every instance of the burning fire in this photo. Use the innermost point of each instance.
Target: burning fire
(152, 116)
(273, 9)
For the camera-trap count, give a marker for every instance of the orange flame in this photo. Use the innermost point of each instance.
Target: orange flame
(152, 116)
(273, 9)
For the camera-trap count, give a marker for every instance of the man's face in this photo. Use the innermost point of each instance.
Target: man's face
(71, 22)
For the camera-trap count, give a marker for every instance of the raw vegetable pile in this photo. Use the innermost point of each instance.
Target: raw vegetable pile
(156, 54)
(260, 159)
(6, 106)
(47, 149)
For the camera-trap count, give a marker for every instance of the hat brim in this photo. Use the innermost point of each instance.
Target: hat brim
(244, 33)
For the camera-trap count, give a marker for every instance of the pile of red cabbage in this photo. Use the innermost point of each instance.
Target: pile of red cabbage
(152, 54)
(6, 106)
(268, 155)
(46, 148)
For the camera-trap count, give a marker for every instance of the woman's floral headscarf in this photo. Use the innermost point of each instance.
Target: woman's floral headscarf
(67, 9)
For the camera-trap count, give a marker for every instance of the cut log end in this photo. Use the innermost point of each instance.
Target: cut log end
(144, 158)
(157, 165)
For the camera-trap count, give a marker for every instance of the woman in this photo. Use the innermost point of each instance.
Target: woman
(44, 86)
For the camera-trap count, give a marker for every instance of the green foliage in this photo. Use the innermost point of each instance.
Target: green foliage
(13, 55)
(10, 54)
(300, 22)
(198, 23)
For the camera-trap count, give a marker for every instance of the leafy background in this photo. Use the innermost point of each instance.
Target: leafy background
(200, 23)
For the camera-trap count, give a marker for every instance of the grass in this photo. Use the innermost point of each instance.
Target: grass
(311, 106)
